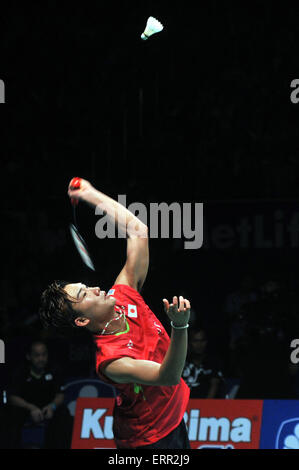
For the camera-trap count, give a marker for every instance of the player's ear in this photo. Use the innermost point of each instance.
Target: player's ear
(81, 321)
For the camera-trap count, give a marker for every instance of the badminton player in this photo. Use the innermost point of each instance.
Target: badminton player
(134, 351)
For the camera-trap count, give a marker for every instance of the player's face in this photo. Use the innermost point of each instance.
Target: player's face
(93, 303)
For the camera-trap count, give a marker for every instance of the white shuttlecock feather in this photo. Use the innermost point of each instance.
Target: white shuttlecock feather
(153, 26)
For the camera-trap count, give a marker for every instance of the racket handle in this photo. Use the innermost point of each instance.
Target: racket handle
(75, 184)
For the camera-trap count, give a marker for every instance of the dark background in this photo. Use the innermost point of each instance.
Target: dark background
(198, 113)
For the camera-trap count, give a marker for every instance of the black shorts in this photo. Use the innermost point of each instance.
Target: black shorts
(176, 439)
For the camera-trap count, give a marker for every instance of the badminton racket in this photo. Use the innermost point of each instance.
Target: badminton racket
(79, 241)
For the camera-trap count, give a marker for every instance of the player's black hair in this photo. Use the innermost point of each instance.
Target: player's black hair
(56, 307)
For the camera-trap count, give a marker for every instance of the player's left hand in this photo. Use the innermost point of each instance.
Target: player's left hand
(178, 311)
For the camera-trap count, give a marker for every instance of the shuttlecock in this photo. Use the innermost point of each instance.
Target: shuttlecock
(152, 26)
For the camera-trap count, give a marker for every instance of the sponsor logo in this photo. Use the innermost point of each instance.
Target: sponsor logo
(224, 424)
(214, 429)
(288, 435)
(93, 424)
(130, 344)
(158, 327)
(85, 388)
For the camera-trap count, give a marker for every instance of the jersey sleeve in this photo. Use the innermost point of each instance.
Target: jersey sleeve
(108, 356)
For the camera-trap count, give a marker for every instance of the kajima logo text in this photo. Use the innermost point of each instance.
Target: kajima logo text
(91, 426)
(225, 424)
(199, 429)
(217, 429)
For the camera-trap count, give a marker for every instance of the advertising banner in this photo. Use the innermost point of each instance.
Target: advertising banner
(93, 424)
(223, 424)
(280, 426)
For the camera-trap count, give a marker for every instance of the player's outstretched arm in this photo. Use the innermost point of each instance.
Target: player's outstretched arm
(128, 370)
(129, 226)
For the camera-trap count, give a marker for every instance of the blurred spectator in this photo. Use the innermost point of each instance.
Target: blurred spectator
(246, 293)
(201, 372)
(263, 350)
(260, 349)
(36, 398)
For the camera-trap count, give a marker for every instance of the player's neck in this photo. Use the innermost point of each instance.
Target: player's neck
(116, 323)
(117, 326)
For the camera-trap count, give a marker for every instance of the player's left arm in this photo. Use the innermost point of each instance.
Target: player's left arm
(136, 267)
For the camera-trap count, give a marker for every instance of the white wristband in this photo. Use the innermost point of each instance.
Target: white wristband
(179, 327)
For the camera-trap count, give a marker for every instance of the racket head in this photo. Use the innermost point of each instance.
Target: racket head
(81, 247)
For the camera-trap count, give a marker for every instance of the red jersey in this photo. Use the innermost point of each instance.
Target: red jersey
(143, 414)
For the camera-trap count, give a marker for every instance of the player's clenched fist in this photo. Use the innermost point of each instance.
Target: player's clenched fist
(81, 190)
(179, 311)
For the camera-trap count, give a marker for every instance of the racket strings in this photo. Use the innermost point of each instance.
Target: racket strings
(79, 242)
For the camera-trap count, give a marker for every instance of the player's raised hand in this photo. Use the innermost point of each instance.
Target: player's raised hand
(79, 188)
(179, 311)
